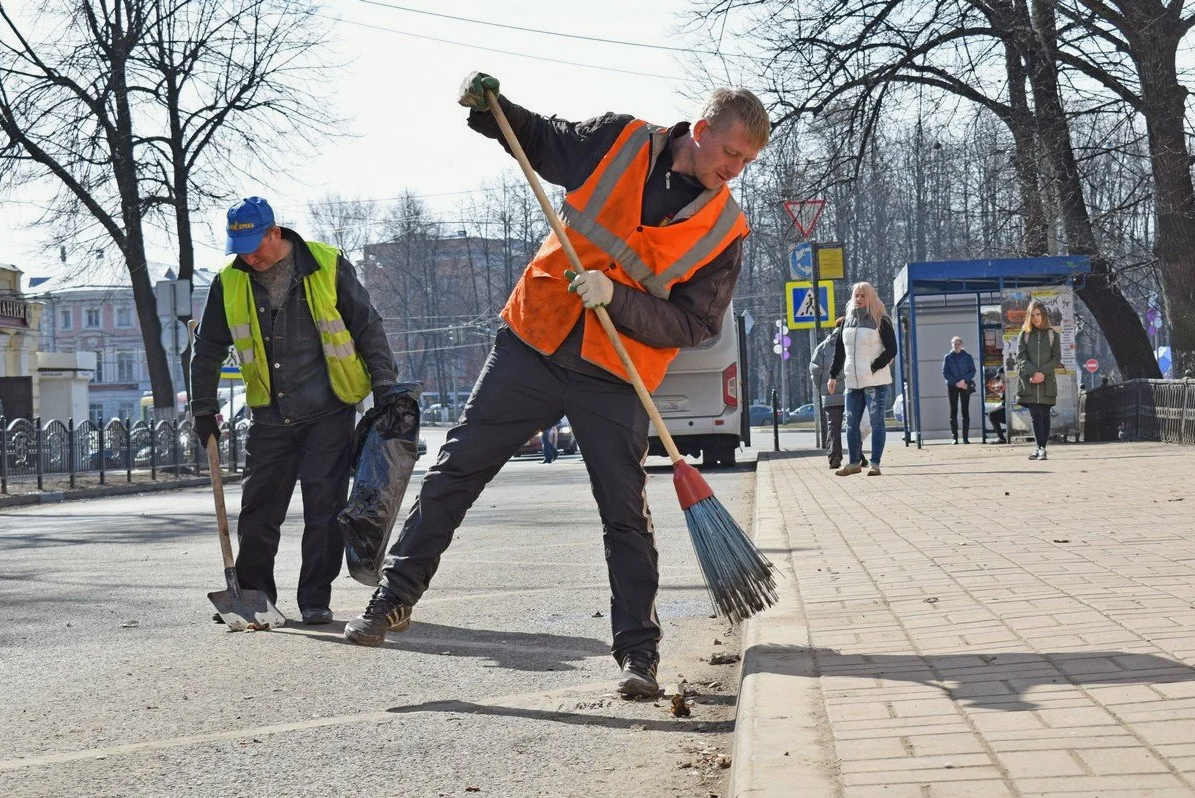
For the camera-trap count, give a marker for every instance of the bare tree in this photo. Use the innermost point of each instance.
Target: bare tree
(854, 64)
(67, 111)
(349, 223)
(136, 108)
(1150, 32)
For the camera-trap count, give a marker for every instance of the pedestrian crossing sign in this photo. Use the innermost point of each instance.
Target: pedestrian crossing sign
(798, 299)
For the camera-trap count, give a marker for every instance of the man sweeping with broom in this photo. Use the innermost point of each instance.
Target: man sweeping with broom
(661, 241)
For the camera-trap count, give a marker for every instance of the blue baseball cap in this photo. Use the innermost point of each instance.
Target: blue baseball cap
(248, 222)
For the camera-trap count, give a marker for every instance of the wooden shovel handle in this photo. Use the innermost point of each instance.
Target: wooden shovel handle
(213, 462)
(603, 317)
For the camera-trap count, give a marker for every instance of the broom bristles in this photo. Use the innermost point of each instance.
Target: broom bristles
(738, 576)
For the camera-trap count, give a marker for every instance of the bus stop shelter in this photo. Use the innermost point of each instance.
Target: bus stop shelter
(935, 300)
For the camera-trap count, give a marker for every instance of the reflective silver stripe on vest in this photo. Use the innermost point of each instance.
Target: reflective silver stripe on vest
(702, 249)
(331, 326)
(586, 223)
(246, 355)
(609, 243)
(344, 350)
(241, 331)
(615, 169)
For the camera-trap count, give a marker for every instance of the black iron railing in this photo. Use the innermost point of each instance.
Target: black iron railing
(1149, 410)
(62, 452)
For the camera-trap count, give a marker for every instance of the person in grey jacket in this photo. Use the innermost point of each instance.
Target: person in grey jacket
(833, 403)
(1039, 352)
(303, 386)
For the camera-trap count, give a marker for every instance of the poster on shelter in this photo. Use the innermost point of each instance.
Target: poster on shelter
(1059, 304)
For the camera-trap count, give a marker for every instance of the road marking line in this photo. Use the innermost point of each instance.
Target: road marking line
(516, 701)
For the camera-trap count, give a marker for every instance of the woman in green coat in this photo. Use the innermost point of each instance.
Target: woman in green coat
(1038, 354)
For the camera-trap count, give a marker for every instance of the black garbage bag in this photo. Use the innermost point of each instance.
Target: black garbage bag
(383, 459)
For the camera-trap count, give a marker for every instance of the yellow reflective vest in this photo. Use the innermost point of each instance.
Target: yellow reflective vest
(346, 369)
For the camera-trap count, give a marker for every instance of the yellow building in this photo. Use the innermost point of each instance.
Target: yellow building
(18, 347)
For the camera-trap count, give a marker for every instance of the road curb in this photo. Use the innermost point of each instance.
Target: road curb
(782, 739)
(124, 489)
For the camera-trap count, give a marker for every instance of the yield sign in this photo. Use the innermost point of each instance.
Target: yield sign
(805, 214)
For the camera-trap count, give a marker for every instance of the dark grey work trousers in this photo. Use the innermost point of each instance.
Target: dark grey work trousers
(832, 432)
(317, 454)
(519, 392)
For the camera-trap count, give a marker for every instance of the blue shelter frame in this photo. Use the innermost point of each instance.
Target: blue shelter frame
(978, 277)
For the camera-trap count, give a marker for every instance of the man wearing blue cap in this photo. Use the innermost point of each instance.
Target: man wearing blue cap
(311, 346)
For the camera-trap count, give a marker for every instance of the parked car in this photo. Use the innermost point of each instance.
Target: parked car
(440, 413)
(566, 442)
(533, 447)
(762, 414)
(802, 413)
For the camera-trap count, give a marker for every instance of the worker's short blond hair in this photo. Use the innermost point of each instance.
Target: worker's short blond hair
(739, 105)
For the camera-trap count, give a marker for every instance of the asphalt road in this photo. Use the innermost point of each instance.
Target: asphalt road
(117, 683)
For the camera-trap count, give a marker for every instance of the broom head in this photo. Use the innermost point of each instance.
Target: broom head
(738, 576)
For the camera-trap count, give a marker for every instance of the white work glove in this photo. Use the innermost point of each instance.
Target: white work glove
(594, 288)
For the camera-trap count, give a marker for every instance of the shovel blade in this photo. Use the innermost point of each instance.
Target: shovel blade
(241, 609)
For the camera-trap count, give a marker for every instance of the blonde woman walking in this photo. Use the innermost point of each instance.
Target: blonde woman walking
(862, 357)
(1038, 354)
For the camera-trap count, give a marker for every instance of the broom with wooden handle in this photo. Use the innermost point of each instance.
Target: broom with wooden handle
(739, 577)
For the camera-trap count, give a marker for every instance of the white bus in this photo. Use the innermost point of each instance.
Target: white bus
(703, 400)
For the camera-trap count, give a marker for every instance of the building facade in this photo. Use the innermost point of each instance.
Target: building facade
(99, 316)
(19, 319)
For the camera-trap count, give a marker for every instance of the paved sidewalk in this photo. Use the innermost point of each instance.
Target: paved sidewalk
(975, 625)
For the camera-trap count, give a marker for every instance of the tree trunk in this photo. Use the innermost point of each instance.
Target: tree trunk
(124, 169)
(1120, 323)
(1025, 157)
(1154, 45)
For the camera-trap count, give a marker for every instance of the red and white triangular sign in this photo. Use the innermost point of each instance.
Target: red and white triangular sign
(805, 214)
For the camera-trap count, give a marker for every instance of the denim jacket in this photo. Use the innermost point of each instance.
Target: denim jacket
(299, 386)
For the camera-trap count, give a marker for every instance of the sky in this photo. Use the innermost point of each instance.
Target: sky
(400, 87)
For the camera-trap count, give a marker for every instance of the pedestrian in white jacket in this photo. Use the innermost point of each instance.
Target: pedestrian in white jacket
(862, 358)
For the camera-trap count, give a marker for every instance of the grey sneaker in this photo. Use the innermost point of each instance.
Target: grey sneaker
(874, 471)
(1036, 454)
(639, 675)
(848, 469)
(1041, 453)
(384, 613)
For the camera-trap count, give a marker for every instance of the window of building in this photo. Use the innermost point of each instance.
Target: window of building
(125, 410)
(124, 316)
(125, 367)
(93, 318)
(95, 411)
(99, 366)
(65, 319)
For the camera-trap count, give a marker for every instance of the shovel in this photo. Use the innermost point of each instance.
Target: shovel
(239, 609)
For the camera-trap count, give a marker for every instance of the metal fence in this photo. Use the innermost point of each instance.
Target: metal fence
(64, 452)
(1149, 410)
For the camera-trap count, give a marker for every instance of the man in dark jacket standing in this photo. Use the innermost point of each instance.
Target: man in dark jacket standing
(310, 346)
(649, 213)
(958, 370)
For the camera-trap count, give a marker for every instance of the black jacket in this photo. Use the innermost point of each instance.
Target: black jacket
(299, 385)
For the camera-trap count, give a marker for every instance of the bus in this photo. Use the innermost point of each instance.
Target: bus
(703, 398)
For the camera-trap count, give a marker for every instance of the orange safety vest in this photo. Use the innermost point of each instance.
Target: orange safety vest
(602, 219)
